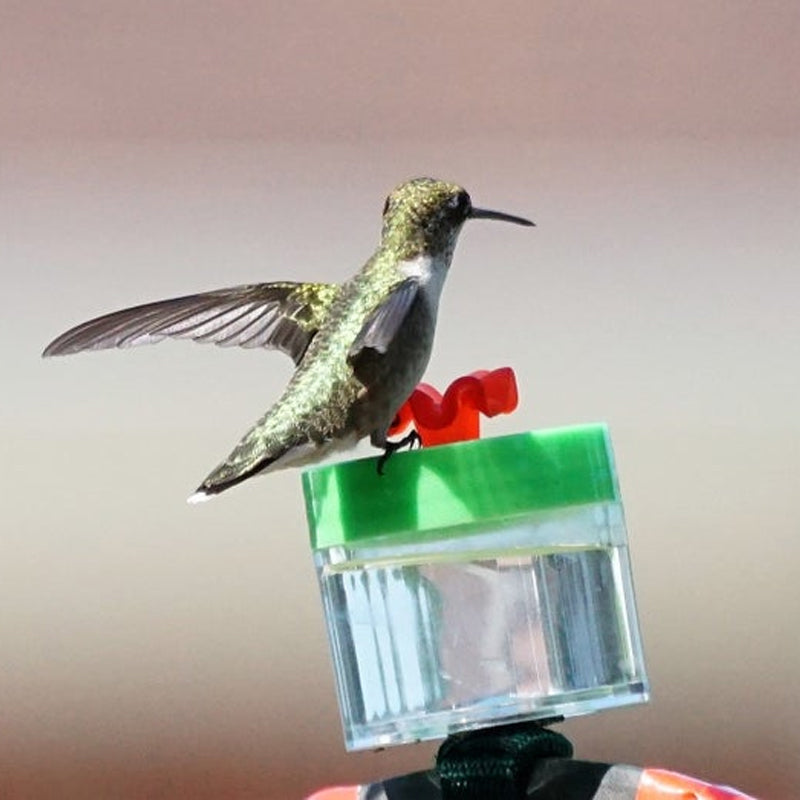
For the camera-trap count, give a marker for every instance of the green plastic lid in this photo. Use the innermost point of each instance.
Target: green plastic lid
(439, 492)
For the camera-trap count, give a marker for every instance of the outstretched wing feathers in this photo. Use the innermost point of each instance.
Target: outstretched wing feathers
(283, 316)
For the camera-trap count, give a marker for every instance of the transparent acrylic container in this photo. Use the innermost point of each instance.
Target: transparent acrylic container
(476, 583)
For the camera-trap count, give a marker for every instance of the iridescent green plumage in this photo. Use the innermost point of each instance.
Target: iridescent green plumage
(360, 347)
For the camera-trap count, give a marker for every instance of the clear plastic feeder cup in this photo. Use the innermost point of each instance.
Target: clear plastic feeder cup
(476, 583)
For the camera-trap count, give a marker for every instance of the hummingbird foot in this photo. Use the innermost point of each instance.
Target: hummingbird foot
(409, 440)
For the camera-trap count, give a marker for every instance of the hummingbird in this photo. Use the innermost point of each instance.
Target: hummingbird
(359, 347)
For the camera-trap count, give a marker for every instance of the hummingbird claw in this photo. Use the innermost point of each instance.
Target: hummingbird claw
(409, 440)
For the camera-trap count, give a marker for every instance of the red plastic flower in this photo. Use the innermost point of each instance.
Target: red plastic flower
(456, 416)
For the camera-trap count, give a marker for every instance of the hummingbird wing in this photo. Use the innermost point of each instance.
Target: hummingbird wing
(382, 325)
(366, 355)
(283, 316)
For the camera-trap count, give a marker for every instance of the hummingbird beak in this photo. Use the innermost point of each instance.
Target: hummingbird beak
(485, 213)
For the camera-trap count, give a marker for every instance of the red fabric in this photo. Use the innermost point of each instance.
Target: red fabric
(660, 784)
(336, 793)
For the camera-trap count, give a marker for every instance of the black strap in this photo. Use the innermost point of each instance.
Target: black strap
(496, 762)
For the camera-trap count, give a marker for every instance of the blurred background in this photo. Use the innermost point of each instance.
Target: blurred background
(151, 649)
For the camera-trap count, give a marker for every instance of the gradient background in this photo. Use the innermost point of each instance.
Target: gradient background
(153, 649)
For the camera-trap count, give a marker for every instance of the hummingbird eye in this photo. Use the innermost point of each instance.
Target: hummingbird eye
(460, 203)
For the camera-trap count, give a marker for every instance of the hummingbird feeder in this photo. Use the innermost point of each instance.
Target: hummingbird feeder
(477, 582)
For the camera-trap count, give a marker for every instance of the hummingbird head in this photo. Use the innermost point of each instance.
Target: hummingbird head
(425, 215)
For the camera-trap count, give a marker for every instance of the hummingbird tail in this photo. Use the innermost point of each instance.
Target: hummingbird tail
(225, 476)
(294, 454)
